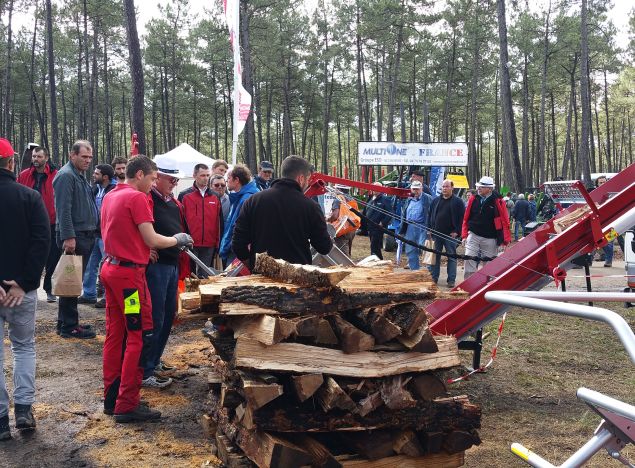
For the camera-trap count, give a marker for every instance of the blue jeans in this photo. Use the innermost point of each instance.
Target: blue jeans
(162, 283)
(89, 283)
(450, 247)
(21, 321)
(608, 253)
(418, 235)
(519, 224)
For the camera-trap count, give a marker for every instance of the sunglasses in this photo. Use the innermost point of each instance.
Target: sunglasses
(172, 180)
(219, 185)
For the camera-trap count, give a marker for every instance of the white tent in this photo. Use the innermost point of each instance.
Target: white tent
(185, 158)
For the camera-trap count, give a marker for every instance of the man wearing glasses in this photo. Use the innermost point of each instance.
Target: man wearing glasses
(203, 215)
(219, 186)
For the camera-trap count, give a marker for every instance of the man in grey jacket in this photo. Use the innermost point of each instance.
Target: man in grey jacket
(74, 228)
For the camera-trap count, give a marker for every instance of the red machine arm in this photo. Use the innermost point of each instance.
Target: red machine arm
(317, 186)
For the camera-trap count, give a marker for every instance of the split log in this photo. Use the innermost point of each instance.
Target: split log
(372, 445)
(214, 380)
(299, 358)
(407, 443)
(394, 395)
(407, 316)
(430, 416)
(257, 393)
(306, 385)
(229, 454)
(292, 300)
(266, 329)
(427, 461)
(332, 396)
(459, 441)
(320, 455)
(432, 441)
(306, 326)
(370, 403)
(325, 334)
(373, 321)
(302, 275)
(352, 339)
(428, 386)
(190, 300)
(229, 397)
(421, 341)
(271, 451)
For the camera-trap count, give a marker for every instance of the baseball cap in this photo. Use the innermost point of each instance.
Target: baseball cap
(486, 181)
(6, 150)
(266, 166)
(416, 185)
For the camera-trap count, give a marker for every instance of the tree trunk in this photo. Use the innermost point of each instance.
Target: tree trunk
(6, 115)
(136, 72)
(509, 127)
(394, 80)
(449, 86)
(248, 84)
(584, 95)
(54, 150)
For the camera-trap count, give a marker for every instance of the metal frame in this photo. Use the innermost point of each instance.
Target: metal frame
(618, 425)
(541, 257)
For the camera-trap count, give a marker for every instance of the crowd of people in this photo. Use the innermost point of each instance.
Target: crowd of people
(130, 230)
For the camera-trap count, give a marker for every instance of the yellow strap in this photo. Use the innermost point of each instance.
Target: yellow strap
(132, 305)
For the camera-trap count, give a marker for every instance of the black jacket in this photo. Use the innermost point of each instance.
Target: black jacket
(282, 222)
(522, 211)
(457, 210)
(377, 209)
(25, 236)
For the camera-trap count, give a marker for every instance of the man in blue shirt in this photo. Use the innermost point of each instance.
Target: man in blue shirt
(416, 214)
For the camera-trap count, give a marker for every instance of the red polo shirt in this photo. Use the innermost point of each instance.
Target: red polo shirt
(123, 209)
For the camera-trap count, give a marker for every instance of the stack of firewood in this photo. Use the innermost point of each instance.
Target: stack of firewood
(331, 367)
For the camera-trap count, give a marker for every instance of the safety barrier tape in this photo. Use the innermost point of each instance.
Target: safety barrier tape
(491, 359)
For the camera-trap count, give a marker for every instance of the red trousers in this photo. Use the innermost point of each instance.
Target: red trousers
(128, 335)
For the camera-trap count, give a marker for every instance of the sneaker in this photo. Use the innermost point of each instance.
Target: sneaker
(156, 382)
(111, 410)
(86, 300)
(608, 265)
(101, 303)
(24, 417)
(141, 413)
(79, 332)
(163, 367)
(450, 284)
(51, 298)
(5, 430)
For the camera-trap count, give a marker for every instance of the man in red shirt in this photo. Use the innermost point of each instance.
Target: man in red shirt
(39, 176)
(128, 234)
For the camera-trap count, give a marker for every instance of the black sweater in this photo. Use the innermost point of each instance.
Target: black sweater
(25, 236)
(167, 222)
(282, 222)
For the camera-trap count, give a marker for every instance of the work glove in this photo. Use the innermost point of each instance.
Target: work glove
(183, 240)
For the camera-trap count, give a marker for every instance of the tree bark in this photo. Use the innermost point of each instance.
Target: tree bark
(136, 72)
(584, 95)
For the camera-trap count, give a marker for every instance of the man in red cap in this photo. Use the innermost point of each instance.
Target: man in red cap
(126, 226)
(25, 238)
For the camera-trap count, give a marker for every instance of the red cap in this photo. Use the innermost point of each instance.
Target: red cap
(6, 150)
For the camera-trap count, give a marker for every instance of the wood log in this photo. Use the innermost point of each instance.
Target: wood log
(325, 334)
(257, 393)
(302, 275)
(332, 396)
(321, 457)
(407, 316)
(318, 300)
(272, 451)
(459, 441)
(214, 380)
(190, 300)
(432, 441)
(407, 443)
(440, 415)
(352, 339)
(306, 326)
(299, 358)
(370, 403)
(229, 397)
(394, 393)
(371, 445)
(428, 386)
(421, 341)
(442, 460)
(376, 323)
(266, 329)
(305, 385)
(229, 453)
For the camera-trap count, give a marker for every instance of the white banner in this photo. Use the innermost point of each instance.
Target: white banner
(389, 153)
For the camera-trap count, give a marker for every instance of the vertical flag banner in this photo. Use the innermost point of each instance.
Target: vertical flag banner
(436, 180)
(242, 99)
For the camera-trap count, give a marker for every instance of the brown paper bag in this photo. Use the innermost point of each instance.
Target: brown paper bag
(429, 258)
(67, 277)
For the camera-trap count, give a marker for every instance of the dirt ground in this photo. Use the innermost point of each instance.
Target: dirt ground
(528, 395)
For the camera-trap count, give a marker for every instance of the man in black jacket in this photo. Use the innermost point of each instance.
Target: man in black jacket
(446, 218)
(25, 241)
(282, 221)
(378, 210)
